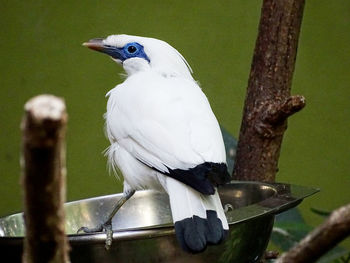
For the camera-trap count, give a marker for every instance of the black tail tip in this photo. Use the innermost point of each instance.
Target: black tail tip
(195, 234)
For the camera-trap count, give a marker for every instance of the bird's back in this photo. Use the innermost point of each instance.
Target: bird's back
(170, 118)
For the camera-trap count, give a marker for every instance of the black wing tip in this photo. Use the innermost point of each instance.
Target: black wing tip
(218, 174)
(195, 234)
(203, 177)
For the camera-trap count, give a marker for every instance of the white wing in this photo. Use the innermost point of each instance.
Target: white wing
(164, 122)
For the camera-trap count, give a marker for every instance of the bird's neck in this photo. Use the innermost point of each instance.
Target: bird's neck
(136, 65)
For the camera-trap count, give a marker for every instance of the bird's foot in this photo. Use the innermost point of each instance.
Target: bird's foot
(105, 227)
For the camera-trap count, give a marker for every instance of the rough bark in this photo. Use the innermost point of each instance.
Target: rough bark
(321, 239)
(268, 101)
(43, 179)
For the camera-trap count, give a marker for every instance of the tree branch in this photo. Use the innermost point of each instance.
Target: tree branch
(268, 102)
(321, 239)
(43, 179)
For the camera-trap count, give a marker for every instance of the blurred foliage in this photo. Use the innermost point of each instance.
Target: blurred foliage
(230, 147)
(290, 228)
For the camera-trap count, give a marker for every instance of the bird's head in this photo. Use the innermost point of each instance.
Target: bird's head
(141, 53)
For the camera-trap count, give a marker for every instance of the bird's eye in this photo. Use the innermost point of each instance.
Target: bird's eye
(132, 49)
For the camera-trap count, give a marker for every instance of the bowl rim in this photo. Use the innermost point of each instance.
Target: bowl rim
(286, 196)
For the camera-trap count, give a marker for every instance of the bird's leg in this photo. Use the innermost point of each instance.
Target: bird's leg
(107, 225)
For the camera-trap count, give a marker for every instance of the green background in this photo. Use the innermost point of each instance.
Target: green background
(41, 52)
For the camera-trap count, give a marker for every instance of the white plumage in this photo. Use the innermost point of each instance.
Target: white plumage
(164, 135)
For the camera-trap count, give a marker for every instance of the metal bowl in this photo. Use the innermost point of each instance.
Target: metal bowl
(143, 230)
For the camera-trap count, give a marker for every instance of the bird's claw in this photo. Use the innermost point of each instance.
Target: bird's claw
(109, 237)
(106, 227)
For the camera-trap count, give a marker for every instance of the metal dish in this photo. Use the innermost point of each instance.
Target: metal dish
(143, 230)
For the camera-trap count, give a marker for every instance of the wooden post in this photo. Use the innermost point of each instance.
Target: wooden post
(43, 179)
(267, 106)
(268, 101)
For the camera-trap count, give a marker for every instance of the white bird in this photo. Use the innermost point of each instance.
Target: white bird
(164, 136)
